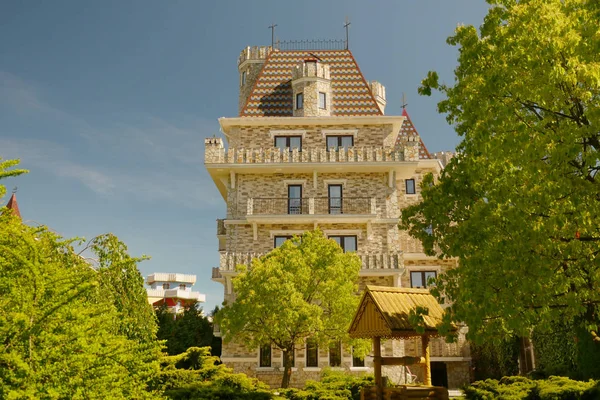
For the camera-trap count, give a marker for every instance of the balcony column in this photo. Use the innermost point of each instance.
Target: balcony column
(373, 205)
(311, 205)
(250, 206)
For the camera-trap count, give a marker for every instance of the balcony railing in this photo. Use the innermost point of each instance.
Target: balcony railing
(370, 261)
(312, 206)
(274, 155)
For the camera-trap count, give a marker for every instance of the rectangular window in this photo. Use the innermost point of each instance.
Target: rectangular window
(338, 142)
(421, 279)
(322, 100)
(288, 142)
(347, 243)
(312, 353)
(265, 355)
(278, 241)
(295, 199)
(335, 354)
(243, 78)
(335, 199)
(299, 101)
(410, 186)
(357, 361)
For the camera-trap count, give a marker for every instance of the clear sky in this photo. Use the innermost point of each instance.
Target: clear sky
(107, 103)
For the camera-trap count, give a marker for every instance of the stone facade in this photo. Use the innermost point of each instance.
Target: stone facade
(253, 176)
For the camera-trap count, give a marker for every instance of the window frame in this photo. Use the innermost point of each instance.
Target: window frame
(312, 346)
(301, 97)
(356, 361)
(323, 106)
(289, 202)
(342, 243)
(414, 186)
(287, 141)
(261, 363)
(182, 286)
(243, 78)
(423, 279)
(278, 237)
(166, 286)
(339, 141)
(338, 351)
(340, 207)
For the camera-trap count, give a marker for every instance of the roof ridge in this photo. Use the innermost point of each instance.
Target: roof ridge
(374, 288)
(260, 74)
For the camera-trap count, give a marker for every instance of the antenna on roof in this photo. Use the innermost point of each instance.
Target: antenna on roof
(404, 103)
(272, 28)
(14, 189)
(347, 26)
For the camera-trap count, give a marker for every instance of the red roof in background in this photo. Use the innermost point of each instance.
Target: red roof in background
(13, 205)
(272, 93)
(408, 129)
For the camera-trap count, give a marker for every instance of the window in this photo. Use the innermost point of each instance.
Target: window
(299, 101)
(182, 286)
(335, 199)
(312, 353)
(166, 286)
(289, 142)
(420, 279)
(295, 199)
(243, 78)
(410, 186)
(335, 354)
(322, 100)
(339, 141)
(278, 241)
(293, 358)
(347, 243)
(265, 356)
(357, 361)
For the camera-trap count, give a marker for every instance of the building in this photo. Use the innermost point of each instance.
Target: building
(311, 147)
(174, 290)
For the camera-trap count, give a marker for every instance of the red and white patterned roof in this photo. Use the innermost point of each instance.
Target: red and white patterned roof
(408, 130)
(272, 93)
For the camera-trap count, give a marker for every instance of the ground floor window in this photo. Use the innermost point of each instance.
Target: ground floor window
(357, 361)
(265, 355)
(335, 354)
(312, 353)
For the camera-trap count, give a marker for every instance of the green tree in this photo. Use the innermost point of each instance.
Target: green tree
(520, 203)
(306, 288)
(6, 172)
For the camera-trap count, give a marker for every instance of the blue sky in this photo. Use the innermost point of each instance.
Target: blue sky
(107, 103)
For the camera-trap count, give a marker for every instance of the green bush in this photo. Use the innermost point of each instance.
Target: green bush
(521, 388)
(334, 385)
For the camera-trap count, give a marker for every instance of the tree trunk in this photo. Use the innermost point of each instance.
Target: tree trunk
(287, 368)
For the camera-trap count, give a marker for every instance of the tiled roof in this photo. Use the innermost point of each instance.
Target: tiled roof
(385, 311)
(12, 205)
(408, 130)
(271, 95)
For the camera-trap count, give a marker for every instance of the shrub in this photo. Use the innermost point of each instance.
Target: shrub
(334, 385)
(518, 387)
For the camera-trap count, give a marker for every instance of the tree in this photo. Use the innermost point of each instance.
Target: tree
(520, 203)
(306, 288)
(187, 329)
(64, 330)
(5, 172)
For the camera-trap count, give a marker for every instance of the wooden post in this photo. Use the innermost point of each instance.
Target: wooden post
(377, 362)
(427, 375)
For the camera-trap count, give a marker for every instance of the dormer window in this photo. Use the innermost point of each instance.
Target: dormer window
(299, 101)
(322, 100)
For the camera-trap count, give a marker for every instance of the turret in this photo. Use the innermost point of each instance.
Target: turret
(311, 86)
(250, 63)
(378, 91)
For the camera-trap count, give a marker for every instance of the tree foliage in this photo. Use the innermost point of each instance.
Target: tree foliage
(520, 203)
(306, 288)
(6, 172)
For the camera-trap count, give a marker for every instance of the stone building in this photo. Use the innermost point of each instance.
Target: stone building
(311, 147)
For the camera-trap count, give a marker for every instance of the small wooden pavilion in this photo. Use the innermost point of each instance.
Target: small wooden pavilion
(384, 312)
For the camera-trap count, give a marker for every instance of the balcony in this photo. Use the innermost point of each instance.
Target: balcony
(176, 294)
(168, 277)
(371, 262)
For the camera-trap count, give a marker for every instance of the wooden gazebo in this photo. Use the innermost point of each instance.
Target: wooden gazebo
(384, 313)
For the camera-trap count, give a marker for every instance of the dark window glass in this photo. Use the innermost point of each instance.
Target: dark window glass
(299, 101)
(356, 361)
(312, 353)
(339, 141)
(420, 279)
(279, 240)
(322, 100)
(410, 186)
(335, 354)
(265, 355)
(289, 142)
(347, 243)
(166, 286)
(335, 199)
(295, 199)
(244, 78)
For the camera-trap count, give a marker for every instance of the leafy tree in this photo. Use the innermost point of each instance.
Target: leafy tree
(6, 172)
(306, 288)
(188, 329)
(520, 203)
